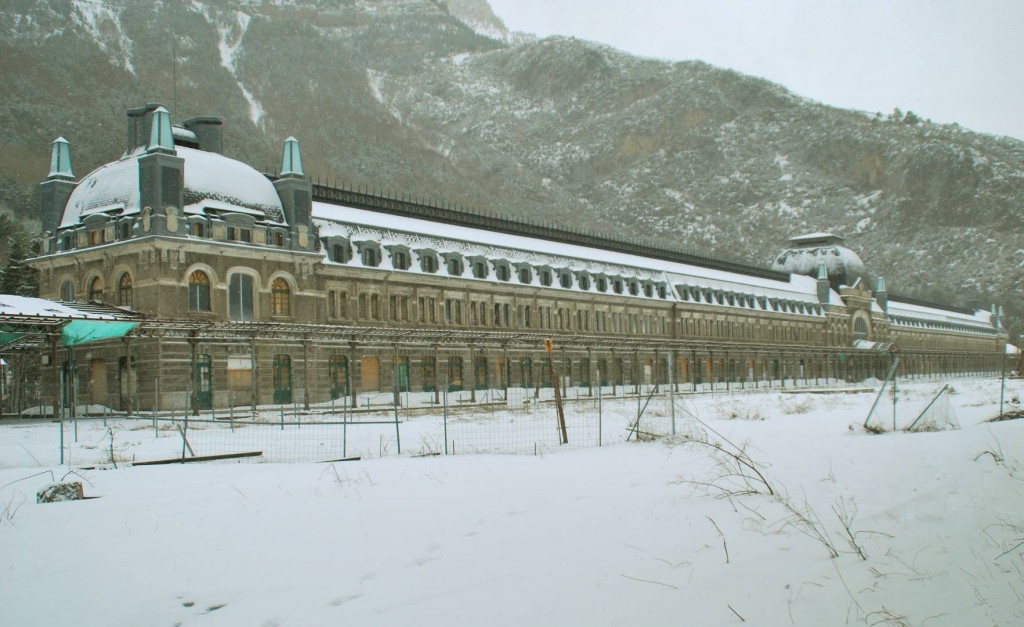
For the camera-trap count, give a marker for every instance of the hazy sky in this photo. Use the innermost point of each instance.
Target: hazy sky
(948, 60)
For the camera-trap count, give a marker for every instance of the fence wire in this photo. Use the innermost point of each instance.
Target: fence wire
(490, 421)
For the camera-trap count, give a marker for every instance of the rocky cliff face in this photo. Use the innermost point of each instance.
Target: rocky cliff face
(435, 99)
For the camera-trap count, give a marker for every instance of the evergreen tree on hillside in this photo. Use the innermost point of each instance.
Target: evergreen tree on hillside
(17, 277)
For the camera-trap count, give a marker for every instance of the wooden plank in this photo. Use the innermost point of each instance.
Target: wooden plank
(205, 458)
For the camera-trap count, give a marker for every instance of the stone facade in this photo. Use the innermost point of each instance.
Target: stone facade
(275, 290)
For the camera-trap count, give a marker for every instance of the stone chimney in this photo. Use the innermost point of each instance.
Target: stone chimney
(209, 132)
(824, 288)
(139, 124)
(882, 296)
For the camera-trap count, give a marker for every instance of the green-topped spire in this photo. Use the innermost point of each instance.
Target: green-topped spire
(160, 138)
(291, 163)
(60, 161)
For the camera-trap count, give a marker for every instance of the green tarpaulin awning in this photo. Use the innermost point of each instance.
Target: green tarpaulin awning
(79, 332)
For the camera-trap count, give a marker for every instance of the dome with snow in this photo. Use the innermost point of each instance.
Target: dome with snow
(807, 252)
(212, 181)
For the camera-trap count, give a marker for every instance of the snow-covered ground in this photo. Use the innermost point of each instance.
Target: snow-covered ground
(653, 533)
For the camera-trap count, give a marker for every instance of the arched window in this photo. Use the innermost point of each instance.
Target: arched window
(124, 290)
(198, 291)
(67, 291)
(96, 290)
(280, 298)
(860, 329)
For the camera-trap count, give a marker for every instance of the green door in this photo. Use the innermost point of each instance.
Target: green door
(204, 382)
(282, 379)
(402, 373)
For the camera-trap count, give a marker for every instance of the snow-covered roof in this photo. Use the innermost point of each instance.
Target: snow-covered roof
(387, 229)
(980, 319)
(11, 305)
(209, 177)
(842, 264)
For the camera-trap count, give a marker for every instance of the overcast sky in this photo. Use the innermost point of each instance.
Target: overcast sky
(948, 60)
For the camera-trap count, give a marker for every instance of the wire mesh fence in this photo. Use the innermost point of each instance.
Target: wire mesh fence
(401, 422)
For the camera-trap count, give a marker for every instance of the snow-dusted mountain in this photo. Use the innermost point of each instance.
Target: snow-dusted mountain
(437, 99)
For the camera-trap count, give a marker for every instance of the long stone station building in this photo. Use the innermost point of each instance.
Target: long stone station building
(256, 289)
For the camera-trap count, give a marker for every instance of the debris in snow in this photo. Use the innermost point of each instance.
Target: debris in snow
(57, 492)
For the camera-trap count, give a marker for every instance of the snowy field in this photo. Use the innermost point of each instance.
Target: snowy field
(815, 522)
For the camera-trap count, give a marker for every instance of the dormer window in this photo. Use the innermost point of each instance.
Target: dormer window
(617, 286)
(584, 282)
(565, 279)
(525, 276)
(428, 262)
(634, 289)
(453, 264)
(480, 269)
(198, 229)
(602, 284)
(371, 258)
(648, 290)
(239, 234)
(400, 260)
(662, 291)
(502, 272)
(340, 252)
(545, 277)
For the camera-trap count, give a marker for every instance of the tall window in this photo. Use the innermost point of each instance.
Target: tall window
(124, 291)
(280, 298)
(96, 290)
(67, 291)
(198, 291)
(240, 298)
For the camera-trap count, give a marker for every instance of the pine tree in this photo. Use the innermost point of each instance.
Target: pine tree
(17, 277)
